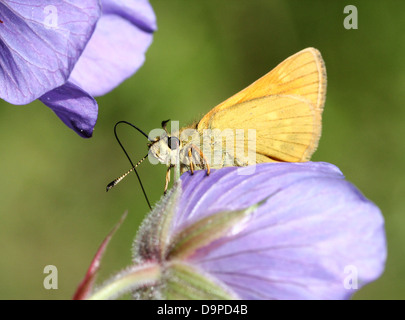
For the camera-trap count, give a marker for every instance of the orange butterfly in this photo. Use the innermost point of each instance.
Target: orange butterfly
(284, 108)
(275, 119)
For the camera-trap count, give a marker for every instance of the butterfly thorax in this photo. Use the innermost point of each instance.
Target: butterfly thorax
(189, 146)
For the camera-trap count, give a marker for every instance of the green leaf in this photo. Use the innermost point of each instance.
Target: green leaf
(207, 230)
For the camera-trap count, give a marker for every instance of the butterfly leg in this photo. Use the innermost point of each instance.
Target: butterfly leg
(167, 179)
(202, 158)
(190, 157)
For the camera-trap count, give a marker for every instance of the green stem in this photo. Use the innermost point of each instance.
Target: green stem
(127, 281)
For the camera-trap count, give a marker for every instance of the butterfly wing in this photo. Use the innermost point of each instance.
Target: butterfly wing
(284, 107)
(285, 127)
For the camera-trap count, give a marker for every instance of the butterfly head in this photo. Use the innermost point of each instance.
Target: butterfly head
(165, 148)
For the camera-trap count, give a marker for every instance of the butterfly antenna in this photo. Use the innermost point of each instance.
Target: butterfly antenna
(113, 183)
(116, 181)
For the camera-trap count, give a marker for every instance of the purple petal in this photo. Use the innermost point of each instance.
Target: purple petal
(139, 12)
(117, 48)
(40, 44)
(75, 107)
(302, 243)
(239, 191)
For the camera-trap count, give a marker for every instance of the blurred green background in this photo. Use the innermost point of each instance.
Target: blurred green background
(53, 205)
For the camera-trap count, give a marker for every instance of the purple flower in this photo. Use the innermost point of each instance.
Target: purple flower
(65, 52)
(288, 231)
(312, 230)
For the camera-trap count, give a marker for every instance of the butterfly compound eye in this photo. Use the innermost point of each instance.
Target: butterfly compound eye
(173, 143)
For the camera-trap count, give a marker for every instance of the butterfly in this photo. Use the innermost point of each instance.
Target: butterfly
(283, 109)
(275, 119)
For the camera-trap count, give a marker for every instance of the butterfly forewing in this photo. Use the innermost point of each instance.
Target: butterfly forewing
(284, 107)
(284, 127)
